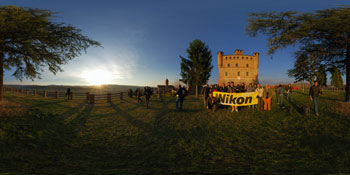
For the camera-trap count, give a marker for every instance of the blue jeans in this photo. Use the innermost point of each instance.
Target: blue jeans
(289, 97)
(179, 100)
(316, 100)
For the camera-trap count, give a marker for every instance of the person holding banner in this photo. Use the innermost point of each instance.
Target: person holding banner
(260, 91)
(250, 88)
(267, 96)
(212, 102)
(232, 89)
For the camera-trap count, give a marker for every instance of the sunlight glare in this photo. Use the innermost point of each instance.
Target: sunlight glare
(98, 77)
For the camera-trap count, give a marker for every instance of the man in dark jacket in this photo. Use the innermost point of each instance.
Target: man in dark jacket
(147, 93)
(180, 96)
(205, 92)
(314, 93)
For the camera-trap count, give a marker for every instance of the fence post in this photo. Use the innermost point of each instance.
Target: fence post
(35, 92)
(87, 96)
(121, 95)
(92, 98)
(71, 95)
(44, 94)
(27, 92)
(159, 94)
(21, 91)
(109, 97)
(57, 94)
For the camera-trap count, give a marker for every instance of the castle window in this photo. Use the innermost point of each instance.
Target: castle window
(239, 74)
(226, 73)
(234, 57)
(226, 58)
(247, 65)
(237, 57)
(251, 58)
(230, 57)
(247, 73)
(236, 65)
(228, 65)
(247, 58)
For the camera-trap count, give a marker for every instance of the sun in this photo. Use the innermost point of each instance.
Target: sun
(98, 77)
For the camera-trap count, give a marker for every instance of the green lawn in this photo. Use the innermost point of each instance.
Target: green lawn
(72, 137)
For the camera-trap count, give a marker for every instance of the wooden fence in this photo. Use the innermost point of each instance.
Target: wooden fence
(90, 98)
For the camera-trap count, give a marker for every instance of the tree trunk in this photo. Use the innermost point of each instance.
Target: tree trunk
(303, 86)
(196, 90)
(347, 77)
(1, 76)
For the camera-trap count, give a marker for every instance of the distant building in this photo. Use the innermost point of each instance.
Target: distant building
(166, 87)
(238, 68)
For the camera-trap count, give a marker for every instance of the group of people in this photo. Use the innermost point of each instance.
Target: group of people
(264, 96)
(147, 92)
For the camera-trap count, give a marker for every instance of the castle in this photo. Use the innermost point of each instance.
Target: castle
(238, 68)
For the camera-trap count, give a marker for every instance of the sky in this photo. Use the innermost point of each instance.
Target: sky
(143, 39)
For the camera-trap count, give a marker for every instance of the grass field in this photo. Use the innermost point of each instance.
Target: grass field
(47, 136)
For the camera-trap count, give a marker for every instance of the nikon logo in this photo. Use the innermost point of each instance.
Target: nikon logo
(231, 99)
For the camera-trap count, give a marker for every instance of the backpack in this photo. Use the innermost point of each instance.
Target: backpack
(184, 92)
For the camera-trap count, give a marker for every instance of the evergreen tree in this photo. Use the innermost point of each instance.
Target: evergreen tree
(336, 80)
(300, 72)
(196, 68)
(322, 76)
(31, 39)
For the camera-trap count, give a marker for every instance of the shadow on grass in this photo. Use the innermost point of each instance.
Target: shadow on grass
(131, 119)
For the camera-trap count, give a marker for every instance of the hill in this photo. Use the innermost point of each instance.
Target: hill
(80, 89)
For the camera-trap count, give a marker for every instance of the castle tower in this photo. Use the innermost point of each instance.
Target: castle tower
(238, 68)
(166, 83)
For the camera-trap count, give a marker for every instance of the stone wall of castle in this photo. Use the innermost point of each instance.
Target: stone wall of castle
(238, 68)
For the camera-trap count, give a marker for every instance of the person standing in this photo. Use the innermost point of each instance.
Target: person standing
(289, 92)
(280, 92)
(267, 96)
(260, 91)
(147, 93)
(212, 102)
(138, 95)
(234, 89)
(130, 93)
(314, 93)
(180, 97)
(69, 94)
(205, 93)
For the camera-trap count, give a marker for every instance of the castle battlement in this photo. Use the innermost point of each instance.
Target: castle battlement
(238, 68)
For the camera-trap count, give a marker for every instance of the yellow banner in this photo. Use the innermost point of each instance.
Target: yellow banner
(237, 99)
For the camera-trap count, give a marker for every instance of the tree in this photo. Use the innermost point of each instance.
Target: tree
(325, 33)
(322, 75)
(301, 69)
(196, 68)
(336, 80)
(31, 39)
